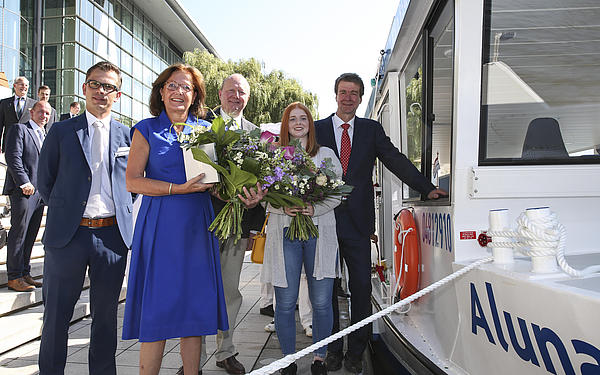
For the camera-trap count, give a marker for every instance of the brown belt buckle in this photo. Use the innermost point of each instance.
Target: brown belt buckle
(100, 223)
(90, 224)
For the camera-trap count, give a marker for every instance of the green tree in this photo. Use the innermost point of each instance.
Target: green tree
(270, 92)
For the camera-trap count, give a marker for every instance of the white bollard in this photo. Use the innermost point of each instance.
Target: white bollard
(541, 264)
(499, 223)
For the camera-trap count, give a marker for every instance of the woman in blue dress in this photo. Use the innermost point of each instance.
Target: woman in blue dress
(174, 287)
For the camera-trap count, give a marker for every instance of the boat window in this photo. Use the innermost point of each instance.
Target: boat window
(414, 117)
(540, 82)
(440, 88)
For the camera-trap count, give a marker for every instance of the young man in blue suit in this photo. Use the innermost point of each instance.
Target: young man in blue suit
(358, 142)
(81, 178)
(24, 142)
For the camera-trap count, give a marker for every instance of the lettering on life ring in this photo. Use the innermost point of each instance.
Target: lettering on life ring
(407, 253)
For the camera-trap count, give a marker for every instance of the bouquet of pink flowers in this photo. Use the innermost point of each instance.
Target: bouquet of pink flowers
(245, 158)
(294, 180)
(314, 185)
(273, 166)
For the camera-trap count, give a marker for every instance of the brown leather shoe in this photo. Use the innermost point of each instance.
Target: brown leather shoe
(232, 365)
(29, 280)
(19, 285)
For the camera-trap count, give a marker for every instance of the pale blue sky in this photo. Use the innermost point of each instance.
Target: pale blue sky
(313, 41)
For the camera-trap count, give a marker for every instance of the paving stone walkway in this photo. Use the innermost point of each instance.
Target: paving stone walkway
(257, 347)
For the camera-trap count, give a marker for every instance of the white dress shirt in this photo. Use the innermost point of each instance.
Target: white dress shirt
(16, 103)
(237, 120)
(337, 131)
(100, 205)
(36, 129)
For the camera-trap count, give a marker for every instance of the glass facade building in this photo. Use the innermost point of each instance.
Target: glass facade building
(54, 42)
(17, 26)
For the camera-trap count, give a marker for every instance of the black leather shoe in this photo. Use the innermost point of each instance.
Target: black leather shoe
(318, 368)
(333, 361)
(290, 370)
(232, 365)
(180, 371)
(353, 364)
(268, 311)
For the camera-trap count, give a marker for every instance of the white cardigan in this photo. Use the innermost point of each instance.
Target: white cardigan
(327, 263)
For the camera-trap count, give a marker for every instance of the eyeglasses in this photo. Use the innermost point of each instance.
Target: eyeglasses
(108, 88)
(174, 86)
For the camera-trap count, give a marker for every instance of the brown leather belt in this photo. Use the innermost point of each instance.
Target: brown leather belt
(98, 223)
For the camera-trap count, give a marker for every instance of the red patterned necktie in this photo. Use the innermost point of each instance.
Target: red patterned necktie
(345, 148)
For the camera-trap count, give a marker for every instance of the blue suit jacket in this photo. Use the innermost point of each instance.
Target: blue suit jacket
(356, 217)
(65, 179)
(22, 153)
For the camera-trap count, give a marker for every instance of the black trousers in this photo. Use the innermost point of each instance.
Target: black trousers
(103, 254)
(357, 255)
(25, 218)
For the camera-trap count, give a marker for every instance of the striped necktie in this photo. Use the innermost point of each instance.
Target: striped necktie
(20, 106)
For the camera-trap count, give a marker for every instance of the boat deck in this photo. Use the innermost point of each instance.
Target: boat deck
(257, 347)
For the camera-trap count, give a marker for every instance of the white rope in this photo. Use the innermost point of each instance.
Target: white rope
(546, 235)
(404, 233)
(289, 359)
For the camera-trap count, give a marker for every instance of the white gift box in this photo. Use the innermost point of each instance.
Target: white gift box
(194, 167)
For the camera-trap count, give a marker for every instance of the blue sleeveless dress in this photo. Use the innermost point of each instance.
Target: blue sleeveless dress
(174, 287)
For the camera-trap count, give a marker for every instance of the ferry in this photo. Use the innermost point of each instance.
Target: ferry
(498, 102)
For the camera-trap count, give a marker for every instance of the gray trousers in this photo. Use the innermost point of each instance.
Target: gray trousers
(232, 258)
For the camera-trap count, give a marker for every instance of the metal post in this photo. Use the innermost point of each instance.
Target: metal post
(37, 42)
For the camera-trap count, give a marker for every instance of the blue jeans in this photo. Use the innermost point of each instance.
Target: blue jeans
(296, 253)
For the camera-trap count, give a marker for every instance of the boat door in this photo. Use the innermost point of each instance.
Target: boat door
(415, 108)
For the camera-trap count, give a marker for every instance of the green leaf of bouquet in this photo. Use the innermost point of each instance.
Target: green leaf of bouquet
(346, 189)
(282, 200)
(229, 137)
(251, 165)
(293, 201)
(240, 178)
(205, 138)
(218, 126)
(227, 189)
(328, 168)
(273, 201)
(255, 133)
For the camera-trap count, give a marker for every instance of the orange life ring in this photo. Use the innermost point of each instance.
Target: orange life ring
(407, 253)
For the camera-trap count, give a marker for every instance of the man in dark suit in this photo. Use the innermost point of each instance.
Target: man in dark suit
(16, 108)
(44, 95)
(23, 145)
(73, 111)
(358, 142)
(81, 178)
